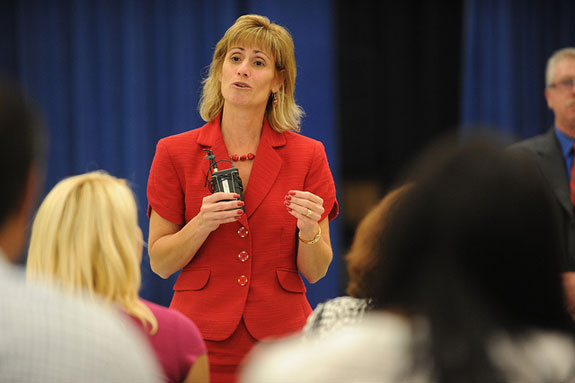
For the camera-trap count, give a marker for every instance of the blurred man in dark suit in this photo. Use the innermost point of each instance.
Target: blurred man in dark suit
(554, 155)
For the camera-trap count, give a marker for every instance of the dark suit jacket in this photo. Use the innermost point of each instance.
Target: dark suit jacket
(552, 165)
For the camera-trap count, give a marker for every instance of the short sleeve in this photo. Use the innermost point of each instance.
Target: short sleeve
(165, 192)
(319, 181)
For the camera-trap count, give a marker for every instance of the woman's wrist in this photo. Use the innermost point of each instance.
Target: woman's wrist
(315, 239)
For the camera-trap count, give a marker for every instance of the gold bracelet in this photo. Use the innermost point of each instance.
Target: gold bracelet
(314, 240)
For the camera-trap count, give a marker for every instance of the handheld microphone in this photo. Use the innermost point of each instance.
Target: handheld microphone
(227, 180)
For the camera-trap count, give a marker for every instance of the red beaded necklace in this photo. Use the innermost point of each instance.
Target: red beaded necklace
(249, 156)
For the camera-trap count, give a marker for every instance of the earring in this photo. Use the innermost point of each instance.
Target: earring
(275, 100)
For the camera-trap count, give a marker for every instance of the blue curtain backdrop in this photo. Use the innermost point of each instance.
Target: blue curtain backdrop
(113, 77)
(506, 45)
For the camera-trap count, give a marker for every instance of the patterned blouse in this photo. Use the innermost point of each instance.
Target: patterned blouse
(334, 314)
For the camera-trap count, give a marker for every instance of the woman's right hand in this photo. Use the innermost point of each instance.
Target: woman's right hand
(219, 208)
(171, 246)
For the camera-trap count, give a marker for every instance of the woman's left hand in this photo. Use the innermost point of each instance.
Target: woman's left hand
(306, 207)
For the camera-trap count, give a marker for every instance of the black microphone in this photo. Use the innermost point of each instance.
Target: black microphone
(227, 180)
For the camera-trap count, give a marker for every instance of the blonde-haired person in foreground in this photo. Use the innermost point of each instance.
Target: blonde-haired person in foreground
(86, 239)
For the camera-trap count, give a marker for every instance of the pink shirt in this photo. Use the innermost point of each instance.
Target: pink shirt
(177, 343)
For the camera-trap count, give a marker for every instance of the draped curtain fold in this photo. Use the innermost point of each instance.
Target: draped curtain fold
(112, 77)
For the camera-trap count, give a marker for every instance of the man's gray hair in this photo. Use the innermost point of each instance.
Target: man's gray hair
(554, 59)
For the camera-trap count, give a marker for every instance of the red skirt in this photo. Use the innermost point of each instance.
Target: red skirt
(226, 356)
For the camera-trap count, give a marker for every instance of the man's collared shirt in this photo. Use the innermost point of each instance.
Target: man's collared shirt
(566, 144)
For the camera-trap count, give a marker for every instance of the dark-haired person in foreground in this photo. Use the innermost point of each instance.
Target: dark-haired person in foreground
(469, 289)
(45, 335)
(338, 312)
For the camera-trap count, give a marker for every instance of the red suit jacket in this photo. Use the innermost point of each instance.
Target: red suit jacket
(246, 268)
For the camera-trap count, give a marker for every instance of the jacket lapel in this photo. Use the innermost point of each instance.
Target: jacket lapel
(267, 166)
(210, 137)
(265, 170)
(552, 164)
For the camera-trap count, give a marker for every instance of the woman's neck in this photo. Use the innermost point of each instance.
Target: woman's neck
(241, 130)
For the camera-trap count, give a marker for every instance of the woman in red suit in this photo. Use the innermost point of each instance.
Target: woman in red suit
(241, 259)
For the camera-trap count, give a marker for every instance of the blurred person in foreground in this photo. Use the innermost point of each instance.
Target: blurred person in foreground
(86, 239)
(333, 314)
(240, 260)
(554, 150)
(469, 288)
(47, 336)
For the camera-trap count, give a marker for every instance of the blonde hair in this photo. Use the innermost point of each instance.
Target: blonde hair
(561, 54)
(86, 239)
(273, 39)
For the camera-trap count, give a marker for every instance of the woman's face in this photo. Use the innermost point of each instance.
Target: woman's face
(248, 77)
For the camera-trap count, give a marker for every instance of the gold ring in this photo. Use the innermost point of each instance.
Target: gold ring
(308, 214)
